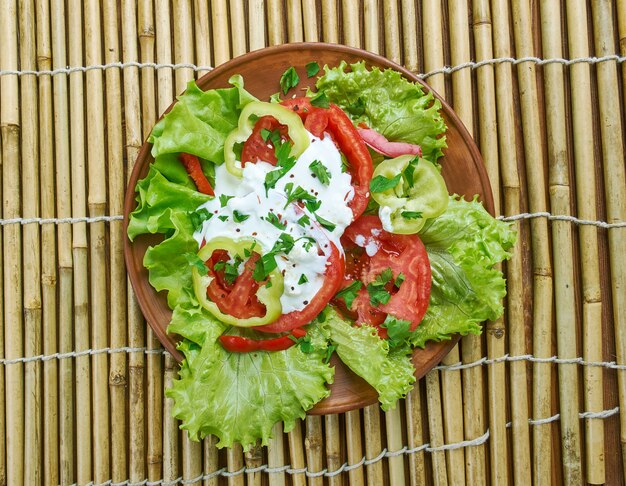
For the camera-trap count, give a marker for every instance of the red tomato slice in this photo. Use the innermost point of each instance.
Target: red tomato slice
(255, 148)
(194, 169)
(404, 254)
(347, 138)
(239, 298)
(333, 279)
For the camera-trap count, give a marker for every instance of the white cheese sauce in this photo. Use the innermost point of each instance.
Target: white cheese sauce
(245, 215)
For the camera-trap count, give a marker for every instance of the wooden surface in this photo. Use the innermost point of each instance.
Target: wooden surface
(552, 139)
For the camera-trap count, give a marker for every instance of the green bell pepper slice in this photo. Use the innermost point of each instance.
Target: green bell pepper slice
(268, 296)
(249, 115)
(420, 194)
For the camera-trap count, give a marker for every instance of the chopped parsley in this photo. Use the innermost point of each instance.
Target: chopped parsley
(297, 194)
(381, 183)
(398, 330)
(304, 220)
(199, 217)
(312, 68)
(304, 342)
(399, 279)
(224, 199)
(223, 217)
(231, 270)
(313, 205)
(239, 217)
(376, 289)
(269, 284)
(308, 242)
(271, 135)
(320, 100)
(275, 220)
(320, 170)
(284, 161)
(284, 244)
(248, 251)
(302, 279)
(410, 170)
(325, 223)
(349, 293)
(195, 261)
(289, 79)
(411, 214)
(329, 352)
(264, 266)
(275, 98)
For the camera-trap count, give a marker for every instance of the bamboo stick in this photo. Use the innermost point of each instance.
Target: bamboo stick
(136, 366)
(202, 35)
(370, 26)
(3, 444)
(452, 401)
(296, 454)
(309, 18)
(411, 48)
(254, 459)
(295, 28)
(611, 131)
(79, 245)
(97, 202)
(118, 380)
(313, 446)
(50, 473)
(542, 269)
(154, 378)
(435, 426)
(31, 269)
(275, 22)
(511, 193)
(393, 422)
(256, 24)
(354, 446)
(183, 43)
(334, 458)
(373, 444)
(415, 437)
(165, 95)
(12, 253)
(583, 138)
(276, 455)
(192, 460)
(621, 30)
(234, 459)
(211, 460)
(392, 31)
(470, 345)
(351, 23)
(64, 233)
(237, 20)
(221, 44)
(330, 30)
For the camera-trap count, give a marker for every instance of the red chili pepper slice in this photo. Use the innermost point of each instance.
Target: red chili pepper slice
(239, 344)
(194, 169)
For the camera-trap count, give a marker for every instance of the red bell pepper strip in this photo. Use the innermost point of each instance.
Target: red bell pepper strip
(194, 169)
(239, 344)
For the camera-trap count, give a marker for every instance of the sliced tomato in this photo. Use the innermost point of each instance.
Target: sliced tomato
(349, 142)
(333, 279)
(255, 148)
(239, 298)
(402, 254)
(240, 344)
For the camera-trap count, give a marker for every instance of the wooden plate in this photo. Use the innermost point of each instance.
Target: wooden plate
(462, 169)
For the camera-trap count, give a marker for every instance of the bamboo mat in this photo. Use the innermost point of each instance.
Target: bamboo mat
(538, 399)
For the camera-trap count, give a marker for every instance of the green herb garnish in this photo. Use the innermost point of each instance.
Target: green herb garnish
(320, 170)
(312, 68)
(289, 79)
(381, 183)
(349, 293)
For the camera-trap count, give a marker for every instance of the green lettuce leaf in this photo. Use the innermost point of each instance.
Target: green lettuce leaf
(239, 397)
(200, 121)
(390, 372)
(463, 245)
(400, 110)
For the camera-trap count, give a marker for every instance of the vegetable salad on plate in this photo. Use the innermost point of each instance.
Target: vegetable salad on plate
(303, 227)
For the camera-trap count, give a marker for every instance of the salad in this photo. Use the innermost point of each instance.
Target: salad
(303, 227)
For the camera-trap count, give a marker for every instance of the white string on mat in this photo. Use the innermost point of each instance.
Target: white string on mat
(452, 367)
(194, 67)
(515, 217)
(581, 415)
